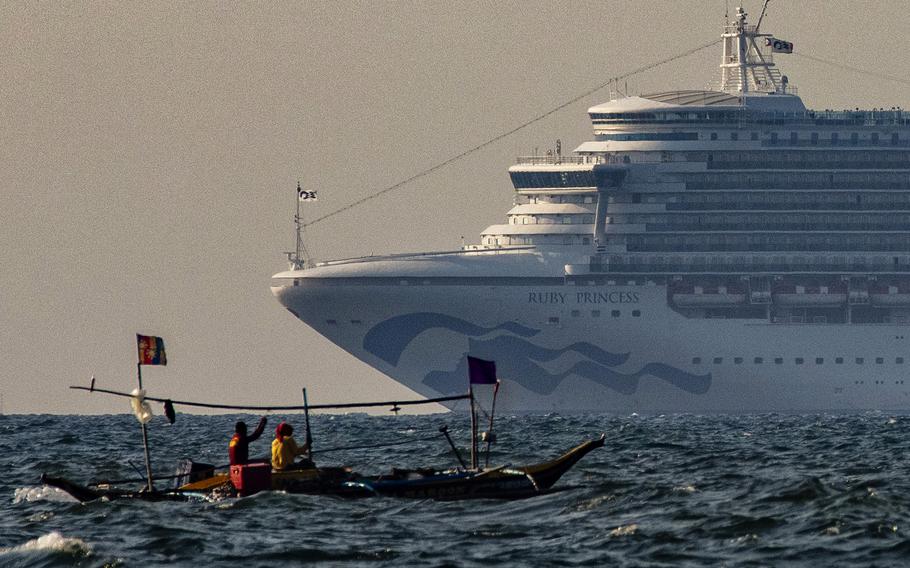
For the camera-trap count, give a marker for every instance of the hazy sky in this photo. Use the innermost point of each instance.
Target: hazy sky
(149, 154)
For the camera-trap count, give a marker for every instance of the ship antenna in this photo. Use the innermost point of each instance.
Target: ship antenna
(762, 15)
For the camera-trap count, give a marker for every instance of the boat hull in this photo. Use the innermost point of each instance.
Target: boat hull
(599, 346)
(496, 483)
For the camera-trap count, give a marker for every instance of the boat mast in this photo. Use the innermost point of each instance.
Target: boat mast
(145, 437)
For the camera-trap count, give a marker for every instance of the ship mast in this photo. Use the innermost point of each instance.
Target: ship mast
(745, 68)
(299, 258)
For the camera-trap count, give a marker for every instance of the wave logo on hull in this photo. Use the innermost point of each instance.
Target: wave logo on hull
(388, 339)
(518, 359)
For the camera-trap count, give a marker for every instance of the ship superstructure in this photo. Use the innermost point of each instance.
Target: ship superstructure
(709, 250)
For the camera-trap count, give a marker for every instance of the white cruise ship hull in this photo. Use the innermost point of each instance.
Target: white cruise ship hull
(614, 348)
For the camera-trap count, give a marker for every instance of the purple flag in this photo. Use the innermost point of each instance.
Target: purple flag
(481, 372)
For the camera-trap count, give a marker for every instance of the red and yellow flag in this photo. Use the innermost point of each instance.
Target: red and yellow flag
(151, 350)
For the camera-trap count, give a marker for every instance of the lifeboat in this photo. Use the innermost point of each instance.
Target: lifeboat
(810, 296)
(707, 297)
(891, 295)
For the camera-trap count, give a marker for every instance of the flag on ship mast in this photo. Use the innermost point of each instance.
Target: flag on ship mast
(304, 195)
(779, 45)
(151, 350)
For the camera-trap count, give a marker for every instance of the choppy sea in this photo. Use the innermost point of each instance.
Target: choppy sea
(762, 490)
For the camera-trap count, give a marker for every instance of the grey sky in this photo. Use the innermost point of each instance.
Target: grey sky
(149, 153)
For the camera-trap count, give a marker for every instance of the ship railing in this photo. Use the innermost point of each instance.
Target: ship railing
(467, 250)
(555, 160)
(772, 268)
(744, 116)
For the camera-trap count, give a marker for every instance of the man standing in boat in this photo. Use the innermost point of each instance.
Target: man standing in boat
(285, 449)
(239, 447)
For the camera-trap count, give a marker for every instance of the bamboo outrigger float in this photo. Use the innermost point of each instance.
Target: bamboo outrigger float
(463, 482)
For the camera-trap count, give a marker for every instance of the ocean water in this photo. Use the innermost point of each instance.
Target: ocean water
(763, 490)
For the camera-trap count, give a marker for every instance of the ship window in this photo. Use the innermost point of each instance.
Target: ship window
(553, 320)
(899, 361)
(814, 138)
(875, 137)
(615, 313)
(799, 360)
(734, 136)
(595, 313)
(636, 313)
(819, 360)
(714, 136)
(755, 136)
(894, 139)
(758, 360)
(778, 360)
(356, 322)
(854, 138)
(773, 138)
(576, 313)
(585, 241)
(331, 322)
(718, 360)
(879, 360)
(859, 360)
(696, 360)
(793, 137)
(839, 360)
(738, 360)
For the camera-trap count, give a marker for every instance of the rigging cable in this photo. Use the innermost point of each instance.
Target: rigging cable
(852, 68)
(499, 137)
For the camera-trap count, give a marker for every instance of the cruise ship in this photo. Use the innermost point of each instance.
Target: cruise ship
(708, 251)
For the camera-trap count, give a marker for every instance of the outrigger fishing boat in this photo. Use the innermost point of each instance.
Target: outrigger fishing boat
(200, 481)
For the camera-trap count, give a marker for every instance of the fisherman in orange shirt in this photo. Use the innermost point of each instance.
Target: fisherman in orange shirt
(239, 447)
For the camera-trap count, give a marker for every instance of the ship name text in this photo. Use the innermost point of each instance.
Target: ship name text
(583, 297)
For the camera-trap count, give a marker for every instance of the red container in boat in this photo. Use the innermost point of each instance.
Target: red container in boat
(251, 478)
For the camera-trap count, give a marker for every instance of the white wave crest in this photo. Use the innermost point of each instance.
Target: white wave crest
(53, 542)
(625, 530)
(42, 493)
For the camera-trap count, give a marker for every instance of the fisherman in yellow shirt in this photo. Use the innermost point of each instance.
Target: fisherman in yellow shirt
(285, 449)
